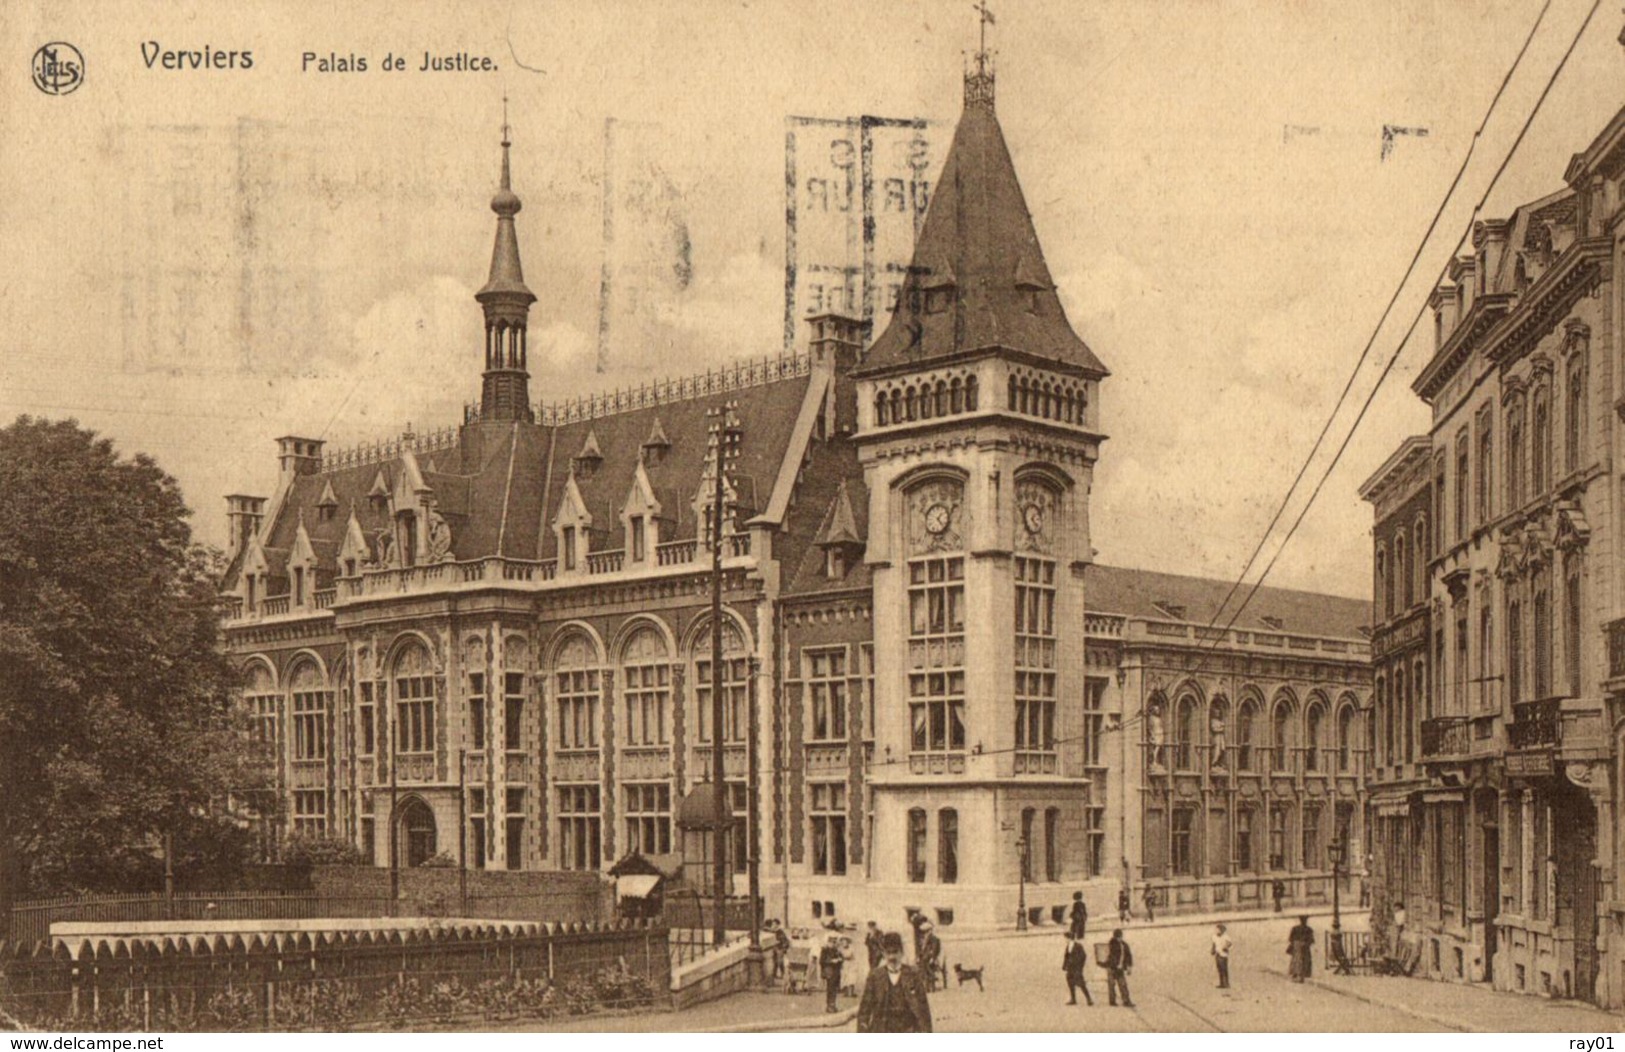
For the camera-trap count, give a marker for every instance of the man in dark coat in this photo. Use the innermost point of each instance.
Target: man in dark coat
(930, 958)
(1119, 963)
(871, 943)
(894, 1000)
(1150, 904)
(830, 962)
(1079, 916)
(1073, 964)
(1125, 909)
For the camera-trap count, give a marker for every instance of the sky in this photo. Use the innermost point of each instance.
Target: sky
(199, 261)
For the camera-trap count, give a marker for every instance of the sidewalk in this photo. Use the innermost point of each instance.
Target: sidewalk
(746, 1012)
(1469, 1008)
(1353, 920)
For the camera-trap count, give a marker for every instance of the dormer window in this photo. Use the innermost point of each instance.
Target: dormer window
(298, 586)
(834, 564)
(569, 553)
(325, 512)
(349, 567)
(250, 594)
(640, 539)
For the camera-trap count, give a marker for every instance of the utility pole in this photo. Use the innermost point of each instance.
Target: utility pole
(462, 833)
(723, 444)
(753, 815)
(394, 826)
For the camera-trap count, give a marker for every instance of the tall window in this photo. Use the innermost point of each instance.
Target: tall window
(1277, 836)
(476, 710)
(1385, 592)
(1315, 726)
(1035, 654)
(1345, 739)
(1439, 498)
(739, 831)
(640, 542)
(576, 701)
(1540, 458)
(648, 817)
(866, 683)
(569, 533)
(1094, 720)
(828, 814)
(1246, 735)
(1461, 670)
(1571, 622)
(309, 707)
(1543, 636)
(735, 687)
(1419, 560)
(1486, 642)
(1245, 817)
(1094, 837)
(513, 711)
(646, 687)
(513, 825)
(948, 846)
(1514, 457)
(826, 688)
(1461, 486)
(1052, 844)
(477, 846)
(369, 726)
(1185, 734)
(936, 686)
(309, 813)
(1514, 651)
(414, 703)
(1281, 736)
(1404, 589)
(1486, 461)
(1574, 414)
(579, 828)
(1311, 837)
(916, 846)
(1184, 818)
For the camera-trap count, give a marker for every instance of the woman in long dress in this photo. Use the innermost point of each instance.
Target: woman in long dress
(1300, 945)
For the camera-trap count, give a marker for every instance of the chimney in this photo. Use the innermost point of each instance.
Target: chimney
(836, 341)
(1462, 269)
(298, 456)
(1490, 242)
(243, 517)
(1443, 302)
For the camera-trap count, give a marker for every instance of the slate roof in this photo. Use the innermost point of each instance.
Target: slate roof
(1138, 593)
(500, 488)
(978, 237)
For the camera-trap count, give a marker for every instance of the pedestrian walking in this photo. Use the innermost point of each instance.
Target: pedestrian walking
(1221, 955)
(894, 1000)
(1073, 964)
(1125, 911)
(1150, 904)
(930, 955)
(871, 943)
(1079, 917)
(1300, 946)
(1119, 963)
(830, 961)
(1278, 892)
(1399, 921)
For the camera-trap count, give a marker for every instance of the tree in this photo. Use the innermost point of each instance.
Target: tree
(116, 722)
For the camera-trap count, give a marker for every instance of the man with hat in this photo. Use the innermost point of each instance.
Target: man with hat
(894, 1000)
(830, 962)
(930, 954)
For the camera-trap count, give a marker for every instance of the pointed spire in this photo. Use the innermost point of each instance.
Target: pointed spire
(840, 525)
(979, 78)
(978, 279)
(505, 392)
(328, 499)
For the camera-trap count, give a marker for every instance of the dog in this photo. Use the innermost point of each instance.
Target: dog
(966, 975)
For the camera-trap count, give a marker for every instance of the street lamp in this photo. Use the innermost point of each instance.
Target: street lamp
(1340, 960)
(1021, 903)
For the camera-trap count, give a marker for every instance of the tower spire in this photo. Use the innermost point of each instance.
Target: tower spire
(505, 391)
(979, 78)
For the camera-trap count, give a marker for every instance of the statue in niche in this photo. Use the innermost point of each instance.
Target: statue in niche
(439, 538)
(1216, 734)
(386, 549)
(1154, 733)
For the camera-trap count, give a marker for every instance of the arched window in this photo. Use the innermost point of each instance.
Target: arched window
(1382, 591)
(956, 396)
(1574, 414)
(1514, 634)
(1404, 586)
(735, 683)
(880, 409)
(916, 845)
(1514, 457)
(911, 403)
(1420, 554)
(414, 706)
(577, 692)
(1541, 454)
(308, 697)
(646, 687)
(948, 846)
(1281, 737)
(1380, 720)
(936, 620)
(896, 406)
(1185, 739)
(1543, 636)
(1015, 401)
(1412, 700)
(1314, 727)
(1571, 622)
(1345, 739)
(970, 394)
(1246, 735)
(942, 398)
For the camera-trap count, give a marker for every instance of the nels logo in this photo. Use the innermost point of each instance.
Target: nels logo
(59, 68)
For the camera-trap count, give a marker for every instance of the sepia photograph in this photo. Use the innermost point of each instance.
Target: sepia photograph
(1035, 516)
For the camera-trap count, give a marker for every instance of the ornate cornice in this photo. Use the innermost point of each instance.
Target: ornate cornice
(1484, 313)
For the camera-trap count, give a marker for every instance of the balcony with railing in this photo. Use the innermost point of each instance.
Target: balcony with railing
(1536, 724)
(1446, 736)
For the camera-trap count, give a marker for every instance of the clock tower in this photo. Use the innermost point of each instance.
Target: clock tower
(978, 431)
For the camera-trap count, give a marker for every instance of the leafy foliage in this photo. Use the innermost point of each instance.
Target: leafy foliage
(114, 691)
(304, 850)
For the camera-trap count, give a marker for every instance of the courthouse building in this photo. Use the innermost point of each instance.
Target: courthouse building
(494, 640)
(1500, 667)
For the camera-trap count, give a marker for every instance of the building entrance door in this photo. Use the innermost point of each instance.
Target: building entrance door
(416, 833)
(1492, 890)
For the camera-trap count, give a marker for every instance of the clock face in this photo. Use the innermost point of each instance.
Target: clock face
(1033, 516)
(936, 518)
